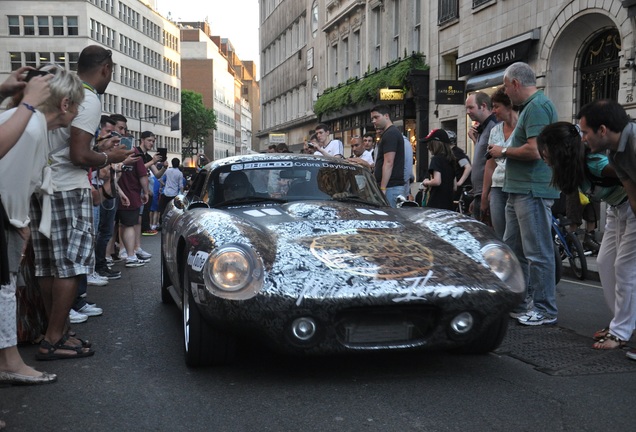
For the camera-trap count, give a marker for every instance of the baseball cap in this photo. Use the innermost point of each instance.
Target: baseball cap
(439, 135)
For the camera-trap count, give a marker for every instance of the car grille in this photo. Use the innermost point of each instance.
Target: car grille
(402, 326)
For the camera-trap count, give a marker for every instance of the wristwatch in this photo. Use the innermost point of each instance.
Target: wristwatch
(503, 151)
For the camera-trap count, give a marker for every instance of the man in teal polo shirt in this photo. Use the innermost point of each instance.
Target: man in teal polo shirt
(528, 210)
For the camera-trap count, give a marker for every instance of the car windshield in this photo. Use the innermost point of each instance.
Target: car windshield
(289, 181)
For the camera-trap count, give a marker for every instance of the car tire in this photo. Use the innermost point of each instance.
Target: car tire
(203, 344)
(489, 339)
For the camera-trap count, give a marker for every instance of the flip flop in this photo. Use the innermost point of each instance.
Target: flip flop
(600, 334)
(51, 350)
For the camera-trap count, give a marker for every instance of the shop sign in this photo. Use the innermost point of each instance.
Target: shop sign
(389, 94)
(277, 138)
(449, 92)
(499, 55)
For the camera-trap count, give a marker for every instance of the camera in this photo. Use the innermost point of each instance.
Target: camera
(35, 72)
(310, 145)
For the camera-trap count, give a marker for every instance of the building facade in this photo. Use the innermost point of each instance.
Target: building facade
(212, 68)
(580, 49)
(146, 51)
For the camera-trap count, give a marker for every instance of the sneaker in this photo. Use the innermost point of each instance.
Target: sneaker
(115, 258)
(631, 354)
(134, 262)
(109, 274)
(90, 309)
(96, 280)
(534, 318)
(142, 254)
(76, 317)
(150, 232)
(590, 243)
(123, 254)
(109, 262)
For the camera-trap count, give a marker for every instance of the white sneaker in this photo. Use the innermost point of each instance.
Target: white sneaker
(76, 317)
(109, 261)
(90, 310)
(142, 254)
(123, 254)
(134, 262)
(97, 280)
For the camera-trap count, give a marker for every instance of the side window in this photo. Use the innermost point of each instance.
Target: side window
(195, 192)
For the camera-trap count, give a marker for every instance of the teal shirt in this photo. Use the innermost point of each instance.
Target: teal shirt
(531, 177)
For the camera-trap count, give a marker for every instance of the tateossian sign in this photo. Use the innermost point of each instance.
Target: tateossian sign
(449, 92)
(497, 56)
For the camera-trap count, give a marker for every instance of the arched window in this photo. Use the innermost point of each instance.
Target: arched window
(600, 70)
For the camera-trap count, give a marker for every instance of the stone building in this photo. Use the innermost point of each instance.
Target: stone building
(146, 80)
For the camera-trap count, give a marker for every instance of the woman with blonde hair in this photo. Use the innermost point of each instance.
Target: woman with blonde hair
(21, 169)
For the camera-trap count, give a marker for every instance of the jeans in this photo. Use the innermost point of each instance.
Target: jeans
(497, 204)
(107, 212)
(528, 233)
(617, 269)
(392, 193)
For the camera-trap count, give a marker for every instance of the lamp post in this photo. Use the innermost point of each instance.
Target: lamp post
(152, 117)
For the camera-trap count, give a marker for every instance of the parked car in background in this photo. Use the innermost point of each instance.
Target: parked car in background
(305, 253)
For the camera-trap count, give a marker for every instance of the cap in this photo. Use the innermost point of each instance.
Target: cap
(439, 135)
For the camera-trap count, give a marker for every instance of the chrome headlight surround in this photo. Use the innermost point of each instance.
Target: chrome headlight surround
(503, 262)
(233, 272)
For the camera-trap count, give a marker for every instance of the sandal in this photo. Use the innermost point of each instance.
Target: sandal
(84, 343)
(51, 350)
(600, 334)
(609, 342)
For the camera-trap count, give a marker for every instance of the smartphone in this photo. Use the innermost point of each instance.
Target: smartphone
(35, 72)
(126, 142)
(163, 152)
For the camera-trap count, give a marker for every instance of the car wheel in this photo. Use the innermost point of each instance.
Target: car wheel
(489, 339)
(203, 344)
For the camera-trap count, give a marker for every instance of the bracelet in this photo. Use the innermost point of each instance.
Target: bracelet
(105, 161)
(382, 189)
(29, 107)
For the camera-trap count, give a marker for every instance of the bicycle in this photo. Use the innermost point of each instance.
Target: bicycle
(568, 245)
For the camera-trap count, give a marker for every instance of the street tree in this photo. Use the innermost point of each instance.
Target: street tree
(197, 122)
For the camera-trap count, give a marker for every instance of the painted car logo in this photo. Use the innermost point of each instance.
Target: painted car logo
(373, 253)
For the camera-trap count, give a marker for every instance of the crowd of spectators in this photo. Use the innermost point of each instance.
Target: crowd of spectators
(72, 199)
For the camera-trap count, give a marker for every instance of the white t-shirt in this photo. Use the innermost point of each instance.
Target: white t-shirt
(335, 147)
(367, 157)
(21, 168)
(65, 175)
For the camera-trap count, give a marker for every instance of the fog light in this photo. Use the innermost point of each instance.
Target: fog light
(463, 323)
(303, 328)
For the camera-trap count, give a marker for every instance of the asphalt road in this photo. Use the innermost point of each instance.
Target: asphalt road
(544, 379)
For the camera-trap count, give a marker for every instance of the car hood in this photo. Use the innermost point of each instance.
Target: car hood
(328, 246)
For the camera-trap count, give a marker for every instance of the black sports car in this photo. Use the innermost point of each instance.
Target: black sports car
(305, 253)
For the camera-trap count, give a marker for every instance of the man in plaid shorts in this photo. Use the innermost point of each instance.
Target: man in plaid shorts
(62, 220)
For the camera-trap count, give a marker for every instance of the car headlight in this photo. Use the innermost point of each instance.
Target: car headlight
(233, 272)
(503, 262)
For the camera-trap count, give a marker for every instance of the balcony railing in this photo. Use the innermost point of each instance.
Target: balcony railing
(448, 11)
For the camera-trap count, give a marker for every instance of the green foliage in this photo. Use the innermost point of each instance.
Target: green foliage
(359, 90)
(196, 121)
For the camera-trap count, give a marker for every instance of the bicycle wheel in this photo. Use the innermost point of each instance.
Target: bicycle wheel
(577, 259)
(558, 264)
